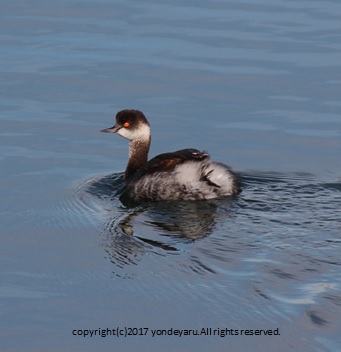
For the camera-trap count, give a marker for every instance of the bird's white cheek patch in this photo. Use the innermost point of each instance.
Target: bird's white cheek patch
(123, 132)
(140, 133)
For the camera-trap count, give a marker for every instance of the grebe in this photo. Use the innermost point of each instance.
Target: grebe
(186, 174)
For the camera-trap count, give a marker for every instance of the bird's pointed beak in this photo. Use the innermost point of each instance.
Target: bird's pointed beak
(113, 129)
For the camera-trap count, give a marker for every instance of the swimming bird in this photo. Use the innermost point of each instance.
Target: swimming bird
(186, 174)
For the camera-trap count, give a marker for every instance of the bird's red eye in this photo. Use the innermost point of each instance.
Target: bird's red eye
(126, 124)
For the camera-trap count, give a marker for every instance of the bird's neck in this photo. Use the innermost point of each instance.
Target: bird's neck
(138, 155)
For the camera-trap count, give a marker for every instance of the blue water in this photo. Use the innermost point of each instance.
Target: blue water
(258, 85)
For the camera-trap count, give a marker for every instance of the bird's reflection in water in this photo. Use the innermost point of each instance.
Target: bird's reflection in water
(161, 227)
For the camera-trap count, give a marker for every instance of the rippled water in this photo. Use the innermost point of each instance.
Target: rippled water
(257, 85)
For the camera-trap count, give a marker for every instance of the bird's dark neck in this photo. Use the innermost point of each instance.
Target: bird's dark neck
(138, 156)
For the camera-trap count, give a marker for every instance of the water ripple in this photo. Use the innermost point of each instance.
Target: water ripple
(274, 212)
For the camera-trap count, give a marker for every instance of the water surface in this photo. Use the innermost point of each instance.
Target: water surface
(258, 86)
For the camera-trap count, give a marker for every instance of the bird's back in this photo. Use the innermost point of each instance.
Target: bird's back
(186, 174)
